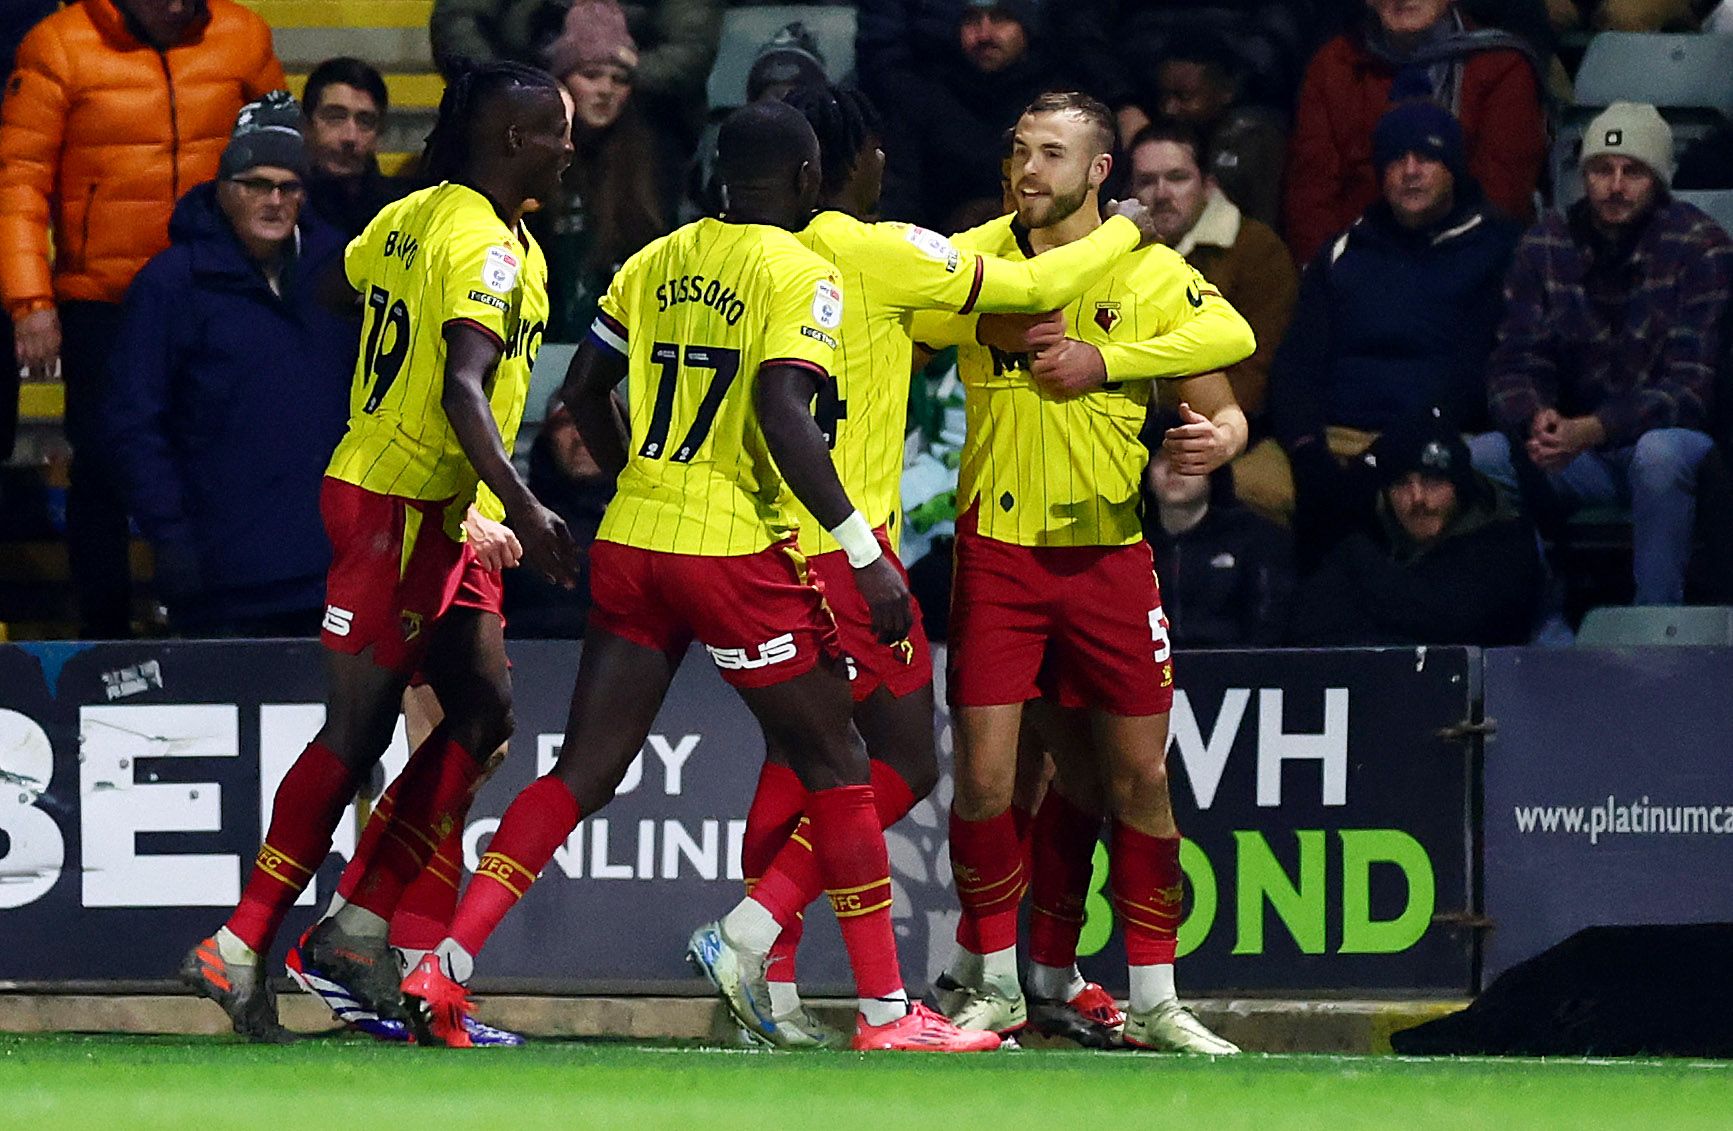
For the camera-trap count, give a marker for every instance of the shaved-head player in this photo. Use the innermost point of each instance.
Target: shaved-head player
(727, 328)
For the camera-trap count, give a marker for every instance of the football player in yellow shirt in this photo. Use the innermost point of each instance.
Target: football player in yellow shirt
(1055, 592)
(454, 295)
(889, 271)
(727, 328)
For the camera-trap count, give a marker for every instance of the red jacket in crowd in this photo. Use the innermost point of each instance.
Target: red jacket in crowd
(1330, 179)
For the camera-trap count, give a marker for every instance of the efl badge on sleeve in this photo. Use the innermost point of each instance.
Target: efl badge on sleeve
(1107, 316)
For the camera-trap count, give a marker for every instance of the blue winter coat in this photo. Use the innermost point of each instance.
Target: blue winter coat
(1390, 322)
(226, 402)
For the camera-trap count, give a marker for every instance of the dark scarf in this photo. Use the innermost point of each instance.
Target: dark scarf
(1443, 50)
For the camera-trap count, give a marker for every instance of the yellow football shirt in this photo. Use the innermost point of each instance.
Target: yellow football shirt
(437, 256)
(1048, 472)
(696, 314)
(890, 271)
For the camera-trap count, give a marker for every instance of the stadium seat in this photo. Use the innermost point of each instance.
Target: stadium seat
(1639, 625)
(745, 30)
(390, 34)
(1688, 77)
(1718, 204)
(1689, 71)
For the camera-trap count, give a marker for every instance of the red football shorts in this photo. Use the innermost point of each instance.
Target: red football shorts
(904, 667)
(1081, 623)
(762, 617)
(394, 572)
(479, 587)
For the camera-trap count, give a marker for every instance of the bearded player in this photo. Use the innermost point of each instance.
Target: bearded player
(889, 271)
(1055, 591)
(453, 290)
(727, 329)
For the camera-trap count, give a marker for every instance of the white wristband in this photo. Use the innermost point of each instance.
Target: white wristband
(857, 541)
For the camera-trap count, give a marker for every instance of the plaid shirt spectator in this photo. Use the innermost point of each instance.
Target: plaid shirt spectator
(1629, 333)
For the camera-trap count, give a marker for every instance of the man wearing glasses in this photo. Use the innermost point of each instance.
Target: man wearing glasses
(230, 389)
(115, 108)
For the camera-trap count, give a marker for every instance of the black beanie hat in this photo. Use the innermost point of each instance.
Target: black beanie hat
(1428, 443)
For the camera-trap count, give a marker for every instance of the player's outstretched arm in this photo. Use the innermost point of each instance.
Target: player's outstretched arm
(1058, 277)
(588, 395)
(1214, 337)
(784, 402)
(1212, 428)
(471, 355)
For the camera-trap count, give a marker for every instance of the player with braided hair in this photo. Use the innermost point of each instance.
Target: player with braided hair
(453, 291)
(889, 271)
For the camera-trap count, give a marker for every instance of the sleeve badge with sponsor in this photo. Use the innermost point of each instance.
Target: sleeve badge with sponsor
(499, 271)
(934, 246)
(827, 304)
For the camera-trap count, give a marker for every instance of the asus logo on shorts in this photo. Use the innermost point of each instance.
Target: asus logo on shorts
(337, 621)
(770, 652)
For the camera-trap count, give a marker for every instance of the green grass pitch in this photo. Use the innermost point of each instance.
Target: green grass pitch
(192, 1084)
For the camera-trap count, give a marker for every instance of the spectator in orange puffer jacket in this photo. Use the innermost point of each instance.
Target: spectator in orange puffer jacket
(115, 108)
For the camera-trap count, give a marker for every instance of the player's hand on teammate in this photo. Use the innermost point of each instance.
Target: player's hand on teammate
(1021, 333)
(1134, 211)
(495, 546)
(1069, 369)
(37, 338)
(1195, 446)
(887, 596)
(548, 546)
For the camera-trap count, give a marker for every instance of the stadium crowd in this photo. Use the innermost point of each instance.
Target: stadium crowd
(1452, 359)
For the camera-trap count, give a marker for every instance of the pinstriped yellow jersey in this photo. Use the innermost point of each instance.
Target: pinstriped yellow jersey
(696, 314)
(890, 271)
(438, 256)
(1051, 472)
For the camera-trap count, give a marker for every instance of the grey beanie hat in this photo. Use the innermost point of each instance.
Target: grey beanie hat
(267, 132)
(1635, 130)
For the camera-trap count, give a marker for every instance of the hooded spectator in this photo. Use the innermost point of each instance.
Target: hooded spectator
(231, 388)
(116, 108)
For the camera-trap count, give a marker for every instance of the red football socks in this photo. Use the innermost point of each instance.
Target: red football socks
(1148, 893)
(987, 864)
(792, 881)
(423, 915)
(777, 806)
(857, 875)
(535, 824)
(434, 786)
(308, 805)
(1064, 843)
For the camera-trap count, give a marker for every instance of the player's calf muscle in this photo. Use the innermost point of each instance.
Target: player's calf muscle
(986, 760)
(899, 733)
